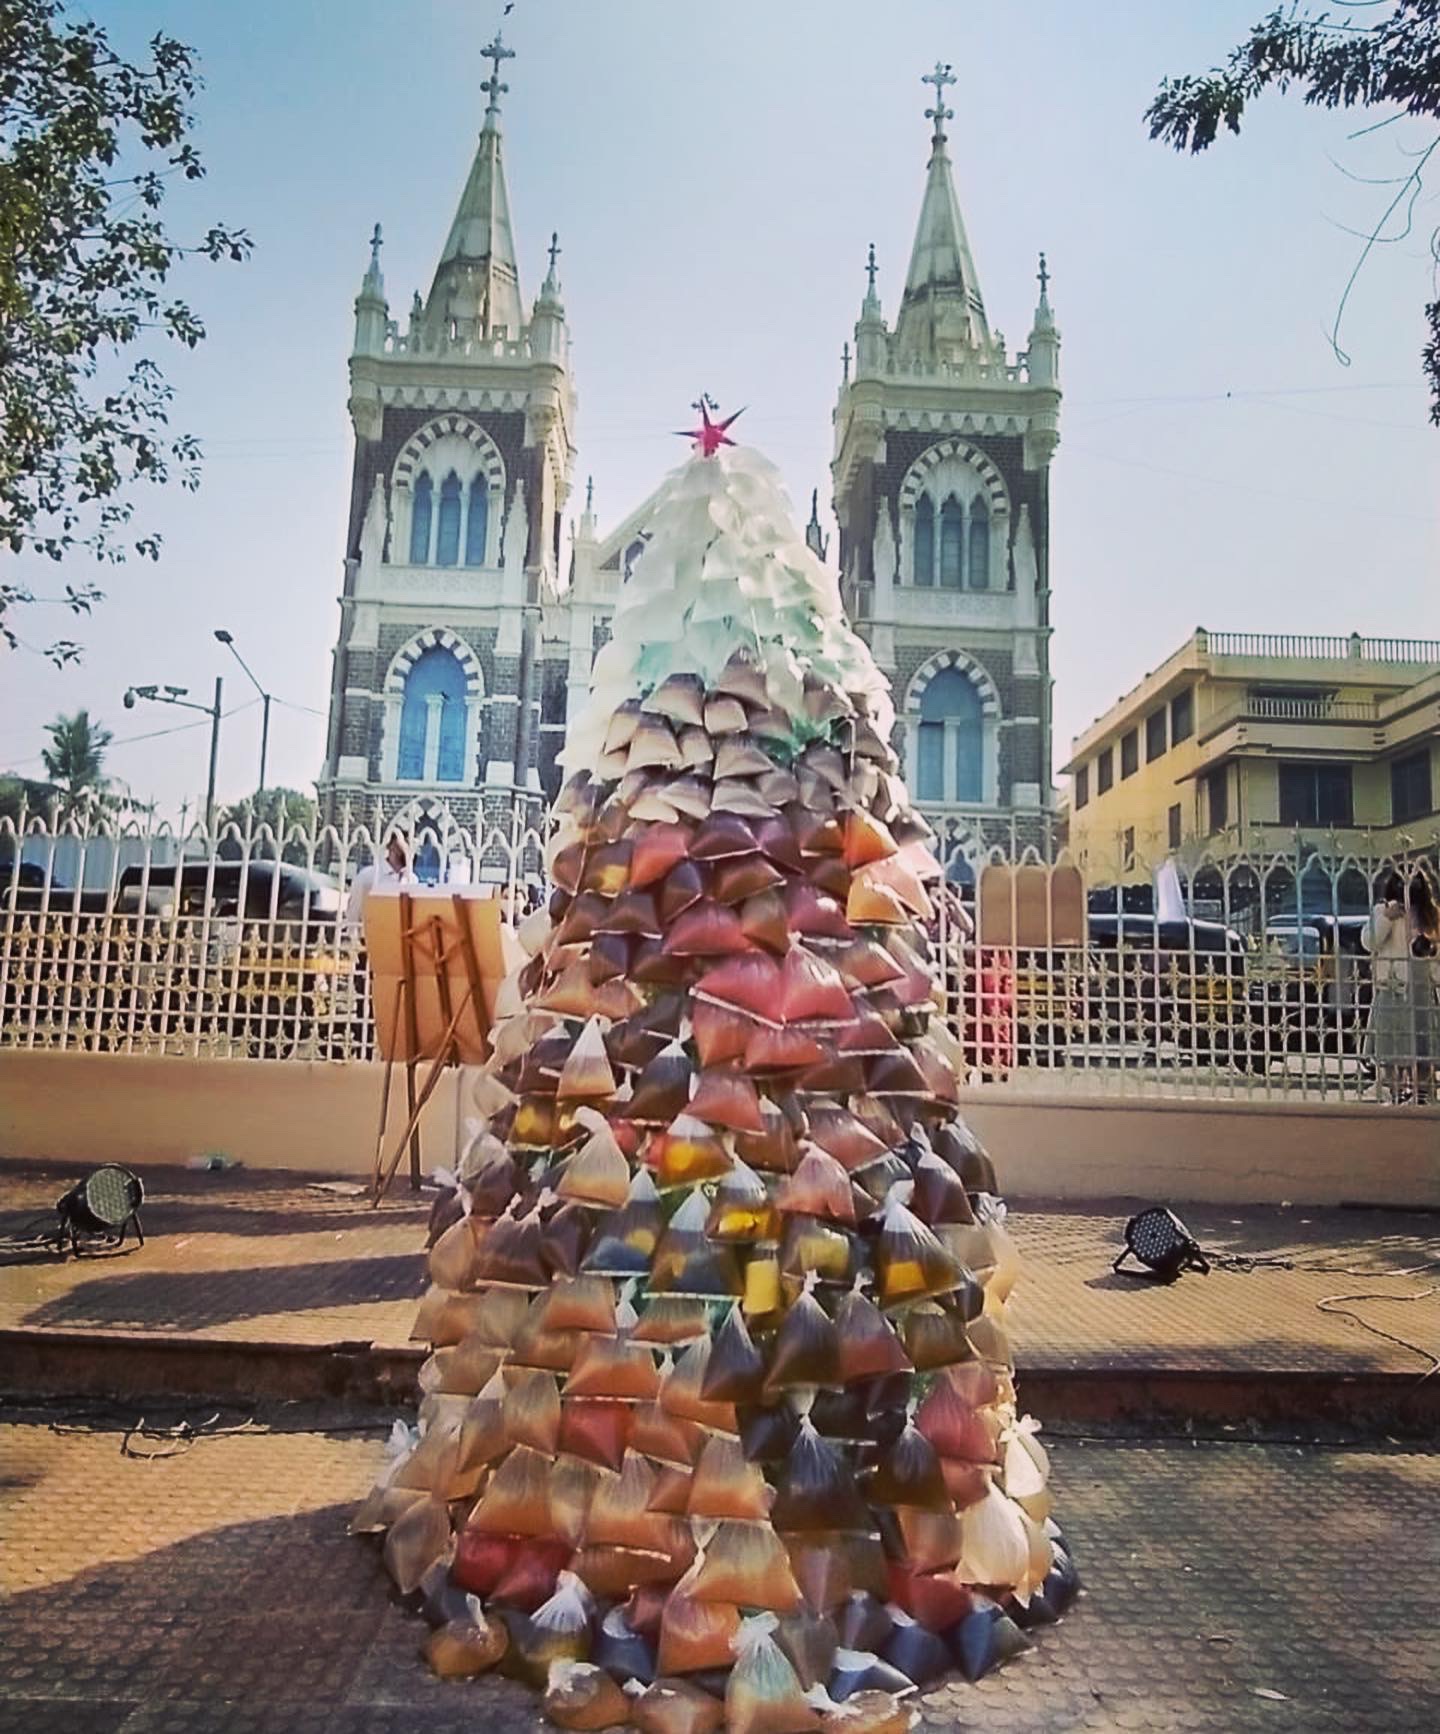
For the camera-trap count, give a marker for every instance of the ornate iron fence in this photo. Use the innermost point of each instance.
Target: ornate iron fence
(240, 945)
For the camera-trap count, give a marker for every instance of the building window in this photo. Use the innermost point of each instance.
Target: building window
(1155, 737)
(924, 572)
(447, 531)
(1182, 716)
(1410, 796)
(1127, 847)
(951, 746)
(1172, 833)
(420, 522)
(1217, 799)
(952, 544)
(979, 546)
(1316, 795)
(1104, 770)
(477, 523)
(1082, 787)
(1129, 753)
(432, 720)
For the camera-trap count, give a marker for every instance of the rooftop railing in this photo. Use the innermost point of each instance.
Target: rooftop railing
(1312, 647)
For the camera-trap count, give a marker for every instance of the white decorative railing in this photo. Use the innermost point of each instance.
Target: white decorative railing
(141, 942)
(1320, 647)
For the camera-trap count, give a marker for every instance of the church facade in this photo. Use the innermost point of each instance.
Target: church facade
(464, 650)
(459, 646)
(943, 442)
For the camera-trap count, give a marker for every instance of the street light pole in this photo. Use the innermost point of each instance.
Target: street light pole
(176, 695)
(214, 756)
(228, 640)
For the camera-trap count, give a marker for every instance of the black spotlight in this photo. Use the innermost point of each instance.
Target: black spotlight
(102, 1208)
(1163, 1244)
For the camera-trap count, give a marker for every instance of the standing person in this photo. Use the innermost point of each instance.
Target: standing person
(1403, 935)
(388, 874)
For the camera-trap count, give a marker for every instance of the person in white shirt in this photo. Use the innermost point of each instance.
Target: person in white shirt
(388, 874)
(1404, 1035)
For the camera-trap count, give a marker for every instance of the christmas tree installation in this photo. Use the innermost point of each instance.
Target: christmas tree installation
(719, 1427)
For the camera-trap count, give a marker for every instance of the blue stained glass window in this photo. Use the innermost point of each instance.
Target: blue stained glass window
(447, 531)
(478, 522)
(951, 703)
(924, 541)
(952, 544)
(435, 671)
(420, 522)
(979, 546)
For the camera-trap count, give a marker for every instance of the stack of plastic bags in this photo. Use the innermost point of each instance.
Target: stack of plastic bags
(719, 1426)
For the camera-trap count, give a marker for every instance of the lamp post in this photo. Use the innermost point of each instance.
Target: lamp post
(176, 695)
(228, 641)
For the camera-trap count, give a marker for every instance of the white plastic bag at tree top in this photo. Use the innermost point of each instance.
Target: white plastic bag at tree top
(720, 1422)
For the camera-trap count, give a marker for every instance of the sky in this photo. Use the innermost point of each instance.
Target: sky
(715, 173)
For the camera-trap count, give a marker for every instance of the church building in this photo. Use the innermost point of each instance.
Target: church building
(458, 642)
(463, 648)
(943, 441)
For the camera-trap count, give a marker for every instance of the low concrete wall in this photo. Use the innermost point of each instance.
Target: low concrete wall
(309, 1115)
(323, 1118)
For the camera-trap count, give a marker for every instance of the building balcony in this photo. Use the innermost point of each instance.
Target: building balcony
(916, 605)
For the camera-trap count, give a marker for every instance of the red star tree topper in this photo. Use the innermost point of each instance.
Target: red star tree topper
(710, 435)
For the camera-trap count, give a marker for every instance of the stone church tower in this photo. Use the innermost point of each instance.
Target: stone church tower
(450, 676)
(943, 443)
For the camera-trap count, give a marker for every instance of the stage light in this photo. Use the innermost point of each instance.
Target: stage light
(101, 1207)
(1163, 1244)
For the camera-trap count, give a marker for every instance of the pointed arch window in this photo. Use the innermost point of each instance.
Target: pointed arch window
(420, 521)
(924, 572)
(950, 747)
(952, 544)
(477, 522)
(979, 549)
(432, 719)
(447, 530)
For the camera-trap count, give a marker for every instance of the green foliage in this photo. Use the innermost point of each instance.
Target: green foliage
(23, 796)
(280, 810)
(88, 143)
(1335, 63)
(75, 762)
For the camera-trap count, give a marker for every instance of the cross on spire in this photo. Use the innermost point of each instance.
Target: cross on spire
(940, 77)
(377, 241)
(870, 269)
(556, 250)
(1043, 274)
(495, 52)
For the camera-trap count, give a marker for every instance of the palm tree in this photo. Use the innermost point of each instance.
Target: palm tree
(75, 763)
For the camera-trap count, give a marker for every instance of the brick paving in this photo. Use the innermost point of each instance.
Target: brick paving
(266, 1257)
(1229, 1587)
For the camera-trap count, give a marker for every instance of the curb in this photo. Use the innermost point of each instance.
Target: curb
(129, 1364)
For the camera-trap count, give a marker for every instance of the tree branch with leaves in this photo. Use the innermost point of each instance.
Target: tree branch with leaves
(1354, 60)
(89, 145)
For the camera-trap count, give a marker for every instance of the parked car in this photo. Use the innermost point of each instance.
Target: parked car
(1139, 987)
(269, 888)
(26, 885)
(1310, 988)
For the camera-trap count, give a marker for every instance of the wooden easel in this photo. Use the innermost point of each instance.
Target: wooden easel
(428, 947)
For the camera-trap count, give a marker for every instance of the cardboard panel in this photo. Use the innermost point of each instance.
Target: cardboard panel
(432, 926)
(1031, 906)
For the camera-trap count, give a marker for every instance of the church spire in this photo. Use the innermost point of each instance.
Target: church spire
(942, 313)
(476, 292)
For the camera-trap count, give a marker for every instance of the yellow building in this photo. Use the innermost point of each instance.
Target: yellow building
(1253, 741)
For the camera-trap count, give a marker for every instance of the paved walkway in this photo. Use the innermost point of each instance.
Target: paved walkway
(1229, 1587)
(267, 1257)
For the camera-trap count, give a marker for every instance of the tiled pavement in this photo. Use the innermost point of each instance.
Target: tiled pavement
(266, 1257)
(1229, 1587)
